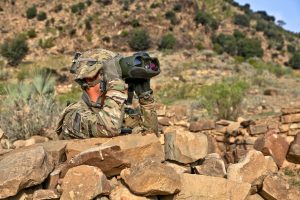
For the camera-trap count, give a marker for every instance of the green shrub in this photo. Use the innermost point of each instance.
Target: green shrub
(70, 97)
(225, 43)
(238, 34)
(294, 61)
(171, 16)
(275, 69)
(223, 100)
(261, 26)
(168, 41)
(177, 7)
(14, 50)
(139, 39)
(58, 8)
(77, 8)
(154, 5)
(41, 16)
(250, 48)
(135, 23)
(31, 33)
(206, 20)
(199, 46)
(31, 12)
(291, 48)
(265, 16)
(242, 20)
(47, 43)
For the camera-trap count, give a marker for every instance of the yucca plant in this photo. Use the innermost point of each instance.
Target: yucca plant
(43, 83)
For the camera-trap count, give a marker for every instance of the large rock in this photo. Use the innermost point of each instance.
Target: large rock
(120, 192)
(45, 195)
(252, 169)
(291, 118)
(136, 148)
(254, 197)
(202, 125)
(273, 145)
(23, 168)
(185, 147)
(258, 129)
(199, 187)
(213, 165)
(151, 178)
(286, 111)
(84, 182)
(56, 149)
(275, 187)
(294, 150)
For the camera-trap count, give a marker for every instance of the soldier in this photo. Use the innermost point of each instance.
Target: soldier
(101, 111)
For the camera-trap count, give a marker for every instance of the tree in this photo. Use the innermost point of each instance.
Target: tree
(281, 23)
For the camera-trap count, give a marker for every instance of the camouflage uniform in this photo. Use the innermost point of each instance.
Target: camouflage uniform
(86, 119)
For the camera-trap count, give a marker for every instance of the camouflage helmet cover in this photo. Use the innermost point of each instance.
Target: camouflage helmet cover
(88, 64)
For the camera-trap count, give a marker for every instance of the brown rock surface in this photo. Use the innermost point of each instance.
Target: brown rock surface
(291, 118)
(185, 147)
(273, 145)
(275, 187)
(202, 125)
(151, 178)
(258, 129)
(120, 192)
(294, 150)
(252, 169)
(180, 169)
(56, 149)
(84, 182)
(45, 195)
(213, 165)
(254, 197)
(199, 187)
(22, 169)
(286, 111)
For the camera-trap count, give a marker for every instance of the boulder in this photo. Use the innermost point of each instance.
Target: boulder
(23, 168)
(164, 121)
(213, 165)
(84, 182)
(185, 147)
(273, 145)
(274, 187)
(293, 154)
(151, 178)
(202, 125)
(291, 118)
(235, 155)
(180, 169)
(258, 129)
(252, 169)
(45, 195)
(286, 111)
(136, 148)
(120, 192)
(56, 149)
(254, 197)
(199, 187)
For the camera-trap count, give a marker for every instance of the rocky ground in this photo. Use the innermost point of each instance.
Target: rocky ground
(246, 159)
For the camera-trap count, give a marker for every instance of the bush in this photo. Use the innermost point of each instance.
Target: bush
(177, 7)
(58, 8)
(265, 16)
(14, 50)
(238, 34)
(77, 8)
(206, 20)
(294, 61)
(167, 42)
(139, 39)
(224, 99)
(171, 16)
(41, 16)
(275, 69)
(261, 26)
(155, 5)
(241, 20)
(291, 48)
(31, 12)
(31, 33)
(135, 23)
(47, 43)
(225, 43)
(250, 48)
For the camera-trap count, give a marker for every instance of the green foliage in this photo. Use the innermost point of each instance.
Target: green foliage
(177, 7)
(199, 46)
(168, 41)
(291, 48)
(250, 48)
(242, 20)
(154, 5)
(294, 61)
(238, 34)
(206, 20)
(139, 39)
(265, 16)
(14, 50)
(223, 100)
(171, 16)
(46, 43)
(289, 172)
(41, 16)
(135, 23)
(77, 8)
(261, 26)
(225, 43)
(31, 33)
(31, 12)
(70, 97)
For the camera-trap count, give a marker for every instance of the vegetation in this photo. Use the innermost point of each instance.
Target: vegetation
(294, 61)
(171, 16)
(14, 50)
(46, 43)
(31, 12)
(41, 16)
(139, 39)
(206, 20)
(168, 41)
(223, 100)
(77, 8)
(242, 20)
(31, 33)
(249, 48)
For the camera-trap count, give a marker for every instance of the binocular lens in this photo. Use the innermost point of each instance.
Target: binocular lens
(153, 66)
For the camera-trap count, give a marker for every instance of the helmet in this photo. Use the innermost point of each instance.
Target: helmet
(89, 63)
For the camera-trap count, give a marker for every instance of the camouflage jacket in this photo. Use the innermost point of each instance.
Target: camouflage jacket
(79, 120)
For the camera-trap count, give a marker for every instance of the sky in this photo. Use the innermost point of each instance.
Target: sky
(286, 10)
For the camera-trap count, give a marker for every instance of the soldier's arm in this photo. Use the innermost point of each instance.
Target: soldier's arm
(82, 122)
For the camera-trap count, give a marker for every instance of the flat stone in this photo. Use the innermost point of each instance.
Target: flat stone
(291, 118)
(22, 169)
(45, 195)
(272, 144)
(254, 197)
(84, 182)
(213, 165)
(121, 192)
(274, 187)
(56, 149)
(258, 129)
(252, 169)
(202, 125)
(286, 111)
(185, 147)
(235, 155)
(199, 187)
(151, 178)
(165, 121)
(180, 169)
(293, 154)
